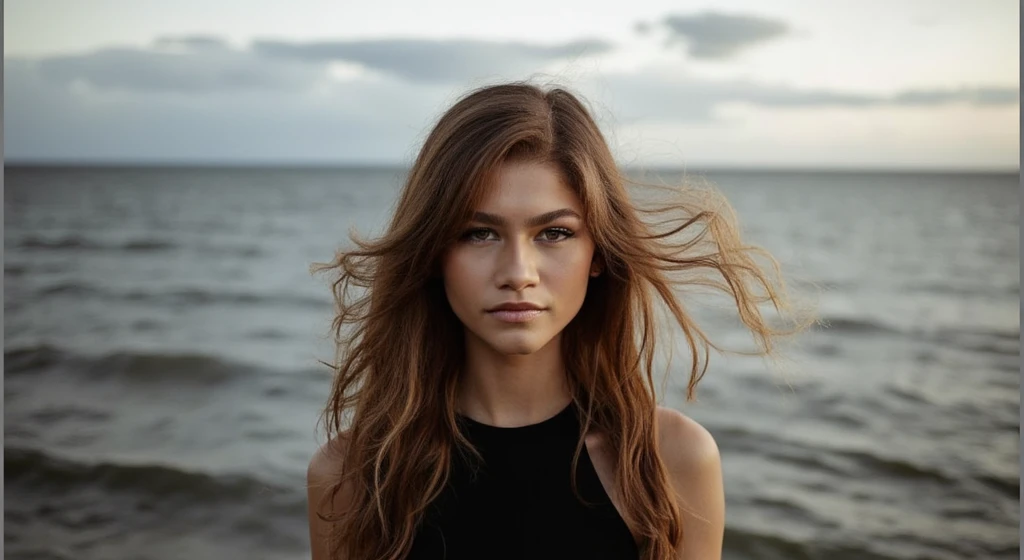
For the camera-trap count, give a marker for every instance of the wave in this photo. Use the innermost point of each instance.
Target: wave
(43, 472)
(142, 245)
(906, 395)
(268, 334)
(791, 510)
(825, 349)
(1005, 343)
(183, 297)
(194, 296)
(59, 243)
(57, 505)
(1011, 335)
(851, 325)
(735, 439)
(742, 543)
(69, 289)
(1008, 486)
(79, 243)
(896, 467)
(51, 415)
(982, 340)
(135, 367)
(147, 245)
(836, 462)
(141, 367)
(988, 292)
(748, 544)
(842, 463)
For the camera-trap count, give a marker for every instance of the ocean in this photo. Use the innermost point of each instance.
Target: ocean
(162, 332)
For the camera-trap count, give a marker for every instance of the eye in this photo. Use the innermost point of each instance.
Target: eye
(550, 235)
(556, 234)
(476, 235)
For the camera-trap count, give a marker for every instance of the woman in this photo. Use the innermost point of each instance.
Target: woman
(493, 395)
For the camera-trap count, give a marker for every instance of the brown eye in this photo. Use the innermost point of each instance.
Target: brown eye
(556, 234)
(476, 235)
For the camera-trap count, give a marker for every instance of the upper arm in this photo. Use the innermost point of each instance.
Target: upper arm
(694, 465)
(322, 474)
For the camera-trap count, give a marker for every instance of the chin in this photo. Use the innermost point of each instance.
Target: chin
(516, 344)
(516, 348)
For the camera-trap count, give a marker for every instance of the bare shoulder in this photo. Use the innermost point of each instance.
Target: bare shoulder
(684, 443)
(694, 465)
(326, 462)
(323, 473)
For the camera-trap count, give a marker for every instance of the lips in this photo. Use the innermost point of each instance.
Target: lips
(517, 306)
(516, 312)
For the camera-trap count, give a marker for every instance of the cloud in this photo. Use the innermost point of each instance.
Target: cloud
(191, 42)
(198, 98)
(353, 122)
(667, 96)
(713, 35)
(203, 64)
(785, 97)
(191, 65)
(976, 96)
(425, 60)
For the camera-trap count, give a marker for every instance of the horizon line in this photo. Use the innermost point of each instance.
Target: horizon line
(709, 167)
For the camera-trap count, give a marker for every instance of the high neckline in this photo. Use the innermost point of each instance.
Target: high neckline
(558, 419)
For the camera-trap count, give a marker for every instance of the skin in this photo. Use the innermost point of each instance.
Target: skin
(514, 372)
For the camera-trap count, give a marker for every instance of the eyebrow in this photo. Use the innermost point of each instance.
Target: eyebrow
(535, 221)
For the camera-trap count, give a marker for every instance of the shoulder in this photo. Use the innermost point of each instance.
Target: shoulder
(694, 465)
(684, 443)
(323, 473)
(325, 464)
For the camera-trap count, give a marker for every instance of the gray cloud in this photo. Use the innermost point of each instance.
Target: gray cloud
(202, 64)
(974, 96)
(717, 36)
(425, 60)
(197, 98)
(192, 42)
(909, 98)
(198, 68)
(658, 98)
(353, 122)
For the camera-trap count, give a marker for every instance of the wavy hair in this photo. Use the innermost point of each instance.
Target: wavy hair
(400, 347)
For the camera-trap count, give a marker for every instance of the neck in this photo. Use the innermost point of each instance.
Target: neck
(512, 390)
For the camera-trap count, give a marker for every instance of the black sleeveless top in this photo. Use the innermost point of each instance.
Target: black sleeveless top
(519, 503)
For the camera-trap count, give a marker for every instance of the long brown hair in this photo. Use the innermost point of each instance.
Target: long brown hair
(401, 348)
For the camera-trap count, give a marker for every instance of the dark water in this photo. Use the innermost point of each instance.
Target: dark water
(162, 332)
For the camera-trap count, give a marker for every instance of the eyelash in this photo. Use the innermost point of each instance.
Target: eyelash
(468, 236)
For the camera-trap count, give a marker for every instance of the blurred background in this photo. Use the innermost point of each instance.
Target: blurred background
(172, 170)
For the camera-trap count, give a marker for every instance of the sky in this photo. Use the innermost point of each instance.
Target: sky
(895, 84)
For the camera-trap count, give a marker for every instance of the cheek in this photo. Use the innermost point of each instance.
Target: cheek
(461, 279)
(570, 273)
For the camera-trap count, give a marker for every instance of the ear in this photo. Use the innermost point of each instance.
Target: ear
(596, 265)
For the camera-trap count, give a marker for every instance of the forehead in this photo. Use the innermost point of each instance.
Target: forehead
(528, 188)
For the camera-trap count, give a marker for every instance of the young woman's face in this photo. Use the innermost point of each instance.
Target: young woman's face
(526, 244)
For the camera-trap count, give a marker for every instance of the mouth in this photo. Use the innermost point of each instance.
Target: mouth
(515, 315)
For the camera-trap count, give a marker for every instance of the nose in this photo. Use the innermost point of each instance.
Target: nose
(517, 266)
